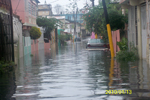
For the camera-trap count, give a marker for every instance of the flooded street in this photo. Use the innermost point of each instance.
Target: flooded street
(74, 73)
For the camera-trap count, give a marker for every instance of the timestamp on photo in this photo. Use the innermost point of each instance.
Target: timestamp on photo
(118, 92)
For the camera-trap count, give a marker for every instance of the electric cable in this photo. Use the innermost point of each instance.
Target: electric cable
(17, 6)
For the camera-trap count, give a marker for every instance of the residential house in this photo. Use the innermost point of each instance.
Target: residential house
(45, 10)
(137, 25)
(80, 27)
(27, 11)
(70, 27)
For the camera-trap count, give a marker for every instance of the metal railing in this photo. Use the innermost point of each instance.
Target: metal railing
(6, 31)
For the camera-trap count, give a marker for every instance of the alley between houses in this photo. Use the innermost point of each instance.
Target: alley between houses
(74, 73)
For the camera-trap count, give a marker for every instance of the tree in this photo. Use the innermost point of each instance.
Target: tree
(35, 33)
(48, 25)
(95, 18)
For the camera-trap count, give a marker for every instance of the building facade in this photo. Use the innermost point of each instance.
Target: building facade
(45, 10)
(138, 31)
(26, 10)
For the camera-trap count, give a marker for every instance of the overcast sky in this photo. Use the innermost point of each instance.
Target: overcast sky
(64, 3)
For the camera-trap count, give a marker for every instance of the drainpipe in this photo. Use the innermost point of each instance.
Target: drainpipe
(147, 17)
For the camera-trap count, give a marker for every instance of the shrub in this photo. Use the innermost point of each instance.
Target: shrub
(123, 44)
(68, 36)
(35, 33)
(62, 39)
(125, 54)
(6, 66)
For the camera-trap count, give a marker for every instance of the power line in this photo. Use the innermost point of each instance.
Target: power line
(17, 6)
(54, 1)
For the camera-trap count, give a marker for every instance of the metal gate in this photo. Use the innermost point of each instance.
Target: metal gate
(6, 31)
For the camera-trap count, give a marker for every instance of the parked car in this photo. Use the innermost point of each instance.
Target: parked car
(95, 43)
(77, 39)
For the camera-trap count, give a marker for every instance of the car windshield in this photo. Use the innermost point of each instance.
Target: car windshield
(96, 41)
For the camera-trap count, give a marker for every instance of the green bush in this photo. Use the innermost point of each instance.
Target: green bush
(5, 66)
(123, 44)
(35, 33)
(68, 36)
(116, 20)
(125, 54)
(62, 39)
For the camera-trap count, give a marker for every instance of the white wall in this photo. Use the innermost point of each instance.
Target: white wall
(17, 33)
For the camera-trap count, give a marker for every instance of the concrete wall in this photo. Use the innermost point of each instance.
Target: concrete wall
(131, 26)
(18, 38)
(139, 31)
(144, 31)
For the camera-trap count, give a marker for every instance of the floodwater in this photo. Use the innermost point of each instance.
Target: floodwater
(74, 73)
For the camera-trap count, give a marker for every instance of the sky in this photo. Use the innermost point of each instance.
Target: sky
(64, 3)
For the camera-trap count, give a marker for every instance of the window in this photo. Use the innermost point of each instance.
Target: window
(29, 8)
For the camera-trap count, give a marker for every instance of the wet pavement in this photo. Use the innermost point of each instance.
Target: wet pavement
(74, 73)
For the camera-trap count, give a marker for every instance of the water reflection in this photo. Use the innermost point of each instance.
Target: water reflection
(72, 73)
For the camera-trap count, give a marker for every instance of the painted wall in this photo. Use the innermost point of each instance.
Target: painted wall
(27, 45)
(34, 46)
(116, 38)
(20, 10)
(26, 9)
(27, 51)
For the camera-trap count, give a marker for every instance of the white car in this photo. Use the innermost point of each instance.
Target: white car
(95, 43)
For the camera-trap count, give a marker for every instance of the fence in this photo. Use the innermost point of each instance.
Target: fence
(6, 31)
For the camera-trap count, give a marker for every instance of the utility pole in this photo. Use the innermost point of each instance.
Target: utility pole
(76, 20)
(74, 23)
(92, 3)
(108, 29)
